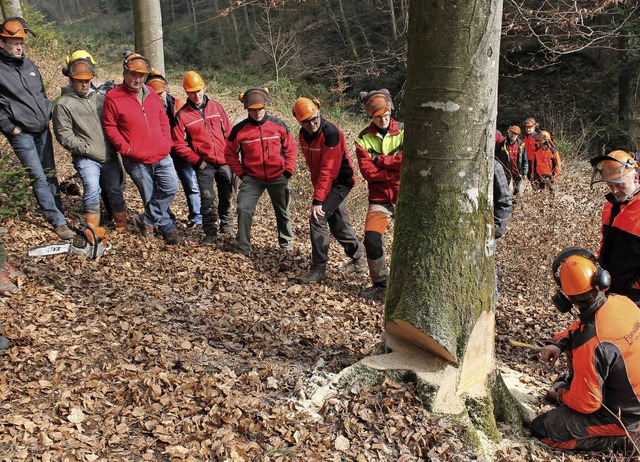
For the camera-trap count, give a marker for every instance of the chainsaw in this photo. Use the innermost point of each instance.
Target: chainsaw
(91, 244)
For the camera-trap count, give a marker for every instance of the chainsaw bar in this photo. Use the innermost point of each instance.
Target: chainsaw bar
(51, 249)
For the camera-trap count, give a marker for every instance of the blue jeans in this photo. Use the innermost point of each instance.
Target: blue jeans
(189, 182)
(98, 175)
(158, 185)
(35, 151)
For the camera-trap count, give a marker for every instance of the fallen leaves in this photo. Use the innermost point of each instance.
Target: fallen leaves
(192, 353)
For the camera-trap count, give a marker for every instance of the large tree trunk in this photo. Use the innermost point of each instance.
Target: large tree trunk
(11, 8)
(442, 275)
(147, 19)
(442, 284)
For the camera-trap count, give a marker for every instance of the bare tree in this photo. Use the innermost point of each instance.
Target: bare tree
(347, 31)
(540, 34)
(279, 46)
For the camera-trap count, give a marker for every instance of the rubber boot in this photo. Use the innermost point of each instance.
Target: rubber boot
(121, 221)
(378, 270)
(316, 274)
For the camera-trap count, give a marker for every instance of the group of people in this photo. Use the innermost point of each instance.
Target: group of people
(159, 138)
(599, 396)
(534, 157)
(137, 127)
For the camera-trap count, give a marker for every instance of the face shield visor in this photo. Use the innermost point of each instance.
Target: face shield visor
(607, 169)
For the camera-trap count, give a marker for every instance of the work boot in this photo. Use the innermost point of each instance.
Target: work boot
(64, 232)
(143, 229)
(121, 221)
(172, 237)
(210, 239)
(15, 275)
(228, 230)
(357, 266)
(6, 285)
(377, 291)
(316, 274)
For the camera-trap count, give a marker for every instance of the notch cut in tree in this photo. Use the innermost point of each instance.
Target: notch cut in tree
(442, 284)
(442, 275)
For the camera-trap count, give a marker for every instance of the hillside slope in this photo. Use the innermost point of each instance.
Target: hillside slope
(193, 353)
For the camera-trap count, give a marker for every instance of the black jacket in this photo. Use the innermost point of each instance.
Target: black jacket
(502, 201)
(23, 101)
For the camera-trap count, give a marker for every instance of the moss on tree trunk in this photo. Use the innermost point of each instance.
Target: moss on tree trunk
(442, 274)
(442, 282)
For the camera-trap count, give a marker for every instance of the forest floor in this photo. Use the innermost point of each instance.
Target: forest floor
(193, 353)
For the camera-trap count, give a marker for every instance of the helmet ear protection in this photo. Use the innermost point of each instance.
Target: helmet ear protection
(600, 280)
(561, 302)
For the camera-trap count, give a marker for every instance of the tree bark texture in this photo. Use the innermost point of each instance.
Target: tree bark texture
(11, 8)
(147, 20)
(442, 271)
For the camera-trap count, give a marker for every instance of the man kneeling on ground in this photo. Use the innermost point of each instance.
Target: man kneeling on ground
(600, 399)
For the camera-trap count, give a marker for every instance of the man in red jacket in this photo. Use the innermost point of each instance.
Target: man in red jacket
(530, 140)
(332, 175)
(262, 152)
(600, 399)
(199, 137)
(184, 170)
(136, 124)
(620, 246)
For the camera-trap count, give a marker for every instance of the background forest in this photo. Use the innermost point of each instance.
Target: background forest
(574, 65)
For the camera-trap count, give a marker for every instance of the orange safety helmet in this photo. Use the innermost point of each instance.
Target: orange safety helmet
(136, 63)
(156, 81)
(75, 56)
(192, 81)
(576, 275)
(514, 129)
(530, 122)
(255, 98)
(304, 108)
(613, 167)
(544, 136)
(81, 69)
(16, 27)
(376, 103)
(576, 271)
